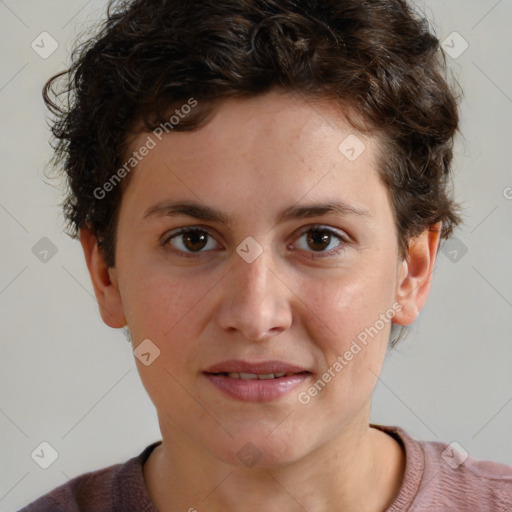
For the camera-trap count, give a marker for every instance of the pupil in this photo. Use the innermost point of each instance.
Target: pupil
(195, 241)
(318, 237)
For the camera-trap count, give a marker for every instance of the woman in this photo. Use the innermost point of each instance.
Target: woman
(260, 189)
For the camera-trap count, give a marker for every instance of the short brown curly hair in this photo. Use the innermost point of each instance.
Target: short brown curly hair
(377, 56)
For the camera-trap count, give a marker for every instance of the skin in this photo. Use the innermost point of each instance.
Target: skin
(255, 158)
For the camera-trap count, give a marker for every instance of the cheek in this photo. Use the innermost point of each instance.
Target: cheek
(347, 323)
(158, 304)
(165, 310)
(352, 340)
(351, 304)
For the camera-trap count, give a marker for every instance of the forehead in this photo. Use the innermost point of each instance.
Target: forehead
(280, 120)
(270, 146)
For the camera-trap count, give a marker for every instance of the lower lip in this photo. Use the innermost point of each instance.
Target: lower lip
(256, 390)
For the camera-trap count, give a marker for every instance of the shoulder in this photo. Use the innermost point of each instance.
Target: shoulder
(108, 489)
(461, 480)
(79, 493)
(441, 476)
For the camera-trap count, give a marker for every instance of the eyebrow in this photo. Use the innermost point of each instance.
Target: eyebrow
(203, 212)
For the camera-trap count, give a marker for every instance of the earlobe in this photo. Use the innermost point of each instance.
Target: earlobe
(104, 281)
(415, 274)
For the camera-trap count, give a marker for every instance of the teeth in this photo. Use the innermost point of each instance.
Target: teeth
(252, 376)
(247, 376)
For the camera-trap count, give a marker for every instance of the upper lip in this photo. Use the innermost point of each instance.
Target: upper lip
(259, 368)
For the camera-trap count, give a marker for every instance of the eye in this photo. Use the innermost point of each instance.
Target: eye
(319, 241)
(189, 240)
(325, 241)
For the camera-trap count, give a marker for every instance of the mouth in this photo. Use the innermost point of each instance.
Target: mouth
(241, 367)
(255, 382)
(254, 376)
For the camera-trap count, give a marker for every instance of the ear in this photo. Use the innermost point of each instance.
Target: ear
(415, 274)
(104, 281)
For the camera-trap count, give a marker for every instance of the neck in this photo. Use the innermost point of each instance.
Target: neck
(360, 469)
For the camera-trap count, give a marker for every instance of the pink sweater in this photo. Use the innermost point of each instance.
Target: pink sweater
(433, 482)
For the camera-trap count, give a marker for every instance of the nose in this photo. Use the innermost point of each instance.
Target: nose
(255, 300)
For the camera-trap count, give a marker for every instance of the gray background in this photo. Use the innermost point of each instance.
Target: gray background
(71, 381)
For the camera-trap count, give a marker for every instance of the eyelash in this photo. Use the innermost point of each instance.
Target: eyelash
(344, 240)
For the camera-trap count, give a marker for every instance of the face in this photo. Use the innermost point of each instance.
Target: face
(264, 268)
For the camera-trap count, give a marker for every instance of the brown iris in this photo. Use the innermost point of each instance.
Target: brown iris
(317, 238)
(195, 240)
